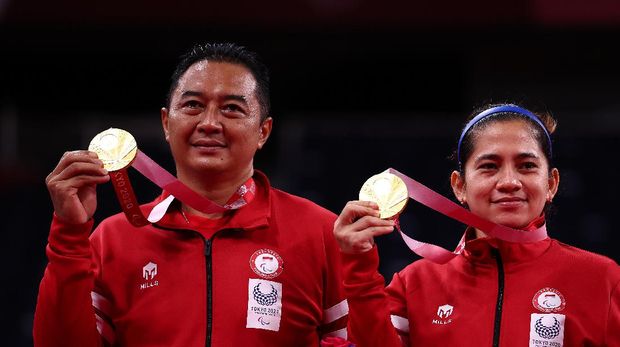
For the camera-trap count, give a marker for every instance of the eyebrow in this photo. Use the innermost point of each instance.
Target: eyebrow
(492, 156)
(190, 93)
(235, 97)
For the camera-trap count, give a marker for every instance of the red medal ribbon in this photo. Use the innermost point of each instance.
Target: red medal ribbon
(163, 179)
(127, 198)
(429, 198)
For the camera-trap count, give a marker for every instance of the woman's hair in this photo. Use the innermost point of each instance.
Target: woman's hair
(542, 125)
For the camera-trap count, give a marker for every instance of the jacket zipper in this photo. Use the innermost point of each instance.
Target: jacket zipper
(500, 298)
(208, 259)
(208, 244)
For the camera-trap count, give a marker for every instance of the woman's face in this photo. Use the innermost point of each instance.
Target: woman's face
(507, 178)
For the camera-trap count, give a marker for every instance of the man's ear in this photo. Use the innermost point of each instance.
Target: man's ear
(164, 122)
(265, 131)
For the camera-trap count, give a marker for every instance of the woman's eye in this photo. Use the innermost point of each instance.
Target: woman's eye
(487, 166)
(529, 165)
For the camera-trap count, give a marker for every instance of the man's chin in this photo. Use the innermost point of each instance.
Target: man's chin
(210, 166)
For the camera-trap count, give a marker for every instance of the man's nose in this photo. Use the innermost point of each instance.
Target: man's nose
(210, 119)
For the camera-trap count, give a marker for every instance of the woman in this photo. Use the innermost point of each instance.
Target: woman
(495, 293)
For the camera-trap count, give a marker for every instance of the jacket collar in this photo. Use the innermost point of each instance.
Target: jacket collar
(482, 249)
(252, 216)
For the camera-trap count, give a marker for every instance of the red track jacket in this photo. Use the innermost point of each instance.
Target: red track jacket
(495, 294)
(268, 274)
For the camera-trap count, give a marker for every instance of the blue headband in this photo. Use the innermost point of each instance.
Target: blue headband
(501, 109)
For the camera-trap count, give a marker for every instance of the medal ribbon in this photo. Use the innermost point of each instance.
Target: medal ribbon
(429, 198)
(166, 181)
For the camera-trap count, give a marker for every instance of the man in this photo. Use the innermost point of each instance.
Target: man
(263, 274)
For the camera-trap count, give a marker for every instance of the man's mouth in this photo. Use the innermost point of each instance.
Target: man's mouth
(208, 143)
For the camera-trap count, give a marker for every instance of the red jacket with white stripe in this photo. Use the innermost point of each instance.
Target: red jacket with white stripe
(267, 274)
(495, 293)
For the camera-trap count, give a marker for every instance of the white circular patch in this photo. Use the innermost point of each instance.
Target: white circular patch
(266, 263)
(549, 300)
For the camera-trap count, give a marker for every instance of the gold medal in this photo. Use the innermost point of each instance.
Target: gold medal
(388, 191)
(116, 148)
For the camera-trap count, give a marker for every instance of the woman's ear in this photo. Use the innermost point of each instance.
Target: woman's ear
(458, 186)
(554, 182)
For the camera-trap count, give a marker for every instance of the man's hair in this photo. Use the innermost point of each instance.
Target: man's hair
(226, 53)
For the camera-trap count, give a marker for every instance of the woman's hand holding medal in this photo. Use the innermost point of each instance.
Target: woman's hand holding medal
(358, 224)
(382, 198)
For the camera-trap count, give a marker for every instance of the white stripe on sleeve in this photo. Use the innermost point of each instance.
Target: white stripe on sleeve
(336, 312)
(342, 333)
(105, 330)
(101, 303)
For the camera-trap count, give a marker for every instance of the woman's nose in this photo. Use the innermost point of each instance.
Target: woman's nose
(509, 180)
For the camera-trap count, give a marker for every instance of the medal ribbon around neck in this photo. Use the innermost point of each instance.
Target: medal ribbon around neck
(429, 198)
(118, 150)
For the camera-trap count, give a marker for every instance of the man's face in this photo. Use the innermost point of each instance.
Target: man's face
(214, 122)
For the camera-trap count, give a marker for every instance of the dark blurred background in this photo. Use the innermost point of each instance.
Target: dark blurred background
(357, 87)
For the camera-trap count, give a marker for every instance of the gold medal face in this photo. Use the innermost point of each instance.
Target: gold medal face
(388, 191)
(115, 147)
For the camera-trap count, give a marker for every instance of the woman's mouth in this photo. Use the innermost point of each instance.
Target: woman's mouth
(509, 202)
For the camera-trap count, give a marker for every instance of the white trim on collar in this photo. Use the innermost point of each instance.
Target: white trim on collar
(158, 212)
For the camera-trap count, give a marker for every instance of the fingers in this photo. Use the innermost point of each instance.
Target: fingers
(77, 163)
(351, 240)
(355, 213)
(368, 227)
(75, 182)
(80, 169)
(357, 226)
(72, 185)
(371, 223)
(354, 210)
(87, 160)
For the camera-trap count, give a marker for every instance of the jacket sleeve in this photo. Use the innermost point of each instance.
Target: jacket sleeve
(64, 314)
(612, 331)
(372, 321)
(335, 307)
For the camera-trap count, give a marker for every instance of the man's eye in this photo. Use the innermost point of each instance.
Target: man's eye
(232, 108)
(192, 104)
